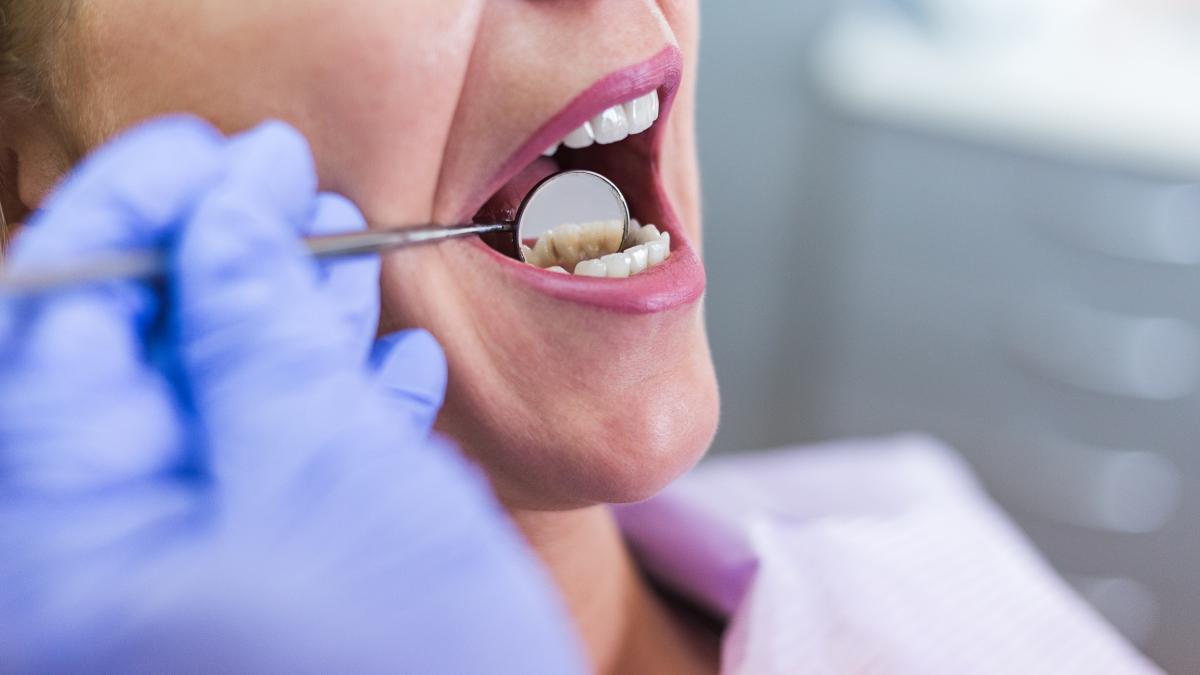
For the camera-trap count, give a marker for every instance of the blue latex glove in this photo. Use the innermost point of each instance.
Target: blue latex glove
(227, 473)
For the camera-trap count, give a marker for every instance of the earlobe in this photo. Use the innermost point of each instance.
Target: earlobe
(33, 158)
(12, 212)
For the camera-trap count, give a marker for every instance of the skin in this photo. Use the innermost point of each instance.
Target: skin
(411, 106)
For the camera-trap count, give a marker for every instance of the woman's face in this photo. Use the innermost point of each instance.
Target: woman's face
(568, 390)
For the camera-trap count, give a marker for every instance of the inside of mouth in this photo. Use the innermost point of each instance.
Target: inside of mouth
(596, 248)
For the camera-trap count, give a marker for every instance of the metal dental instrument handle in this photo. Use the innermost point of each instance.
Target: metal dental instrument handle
(147, 265)
(557, 199)
(378, 241)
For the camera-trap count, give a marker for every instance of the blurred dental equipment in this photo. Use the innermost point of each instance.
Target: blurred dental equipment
(1013, 189)
(1097, 80)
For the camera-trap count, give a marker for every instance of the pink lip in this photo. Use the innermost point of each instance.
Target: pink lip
(677, 282)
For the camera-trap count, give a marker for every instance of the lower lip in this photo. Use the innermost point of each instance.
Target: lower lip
(679, 280)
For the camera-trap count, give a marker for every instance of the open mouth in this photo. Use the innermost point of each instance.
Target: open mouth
(615, 129)
(597, 249)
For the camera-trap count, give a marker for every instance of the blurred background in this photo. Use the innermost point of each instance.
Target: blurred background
(979, 219)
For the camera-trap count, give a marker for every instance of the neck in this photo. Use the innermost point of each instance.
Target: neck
(624, 626)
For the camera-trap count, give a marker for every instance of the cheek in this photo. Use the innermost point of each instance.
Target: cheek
(383, 105)
(377, 103)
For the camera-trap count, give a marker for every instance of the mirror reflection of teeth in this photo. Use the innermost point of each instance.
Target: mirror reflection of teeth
(596, 249)
(614, 124)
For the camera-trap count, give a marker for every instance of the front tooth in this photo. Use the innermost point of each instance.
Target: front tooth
(566, 243)
(557, 269)
(551, 150)
(611, 125)
(647, 234)
(591, 268)
(656, 252)
(641, 112)
(617, 265)
(639, 259)
(581, 137)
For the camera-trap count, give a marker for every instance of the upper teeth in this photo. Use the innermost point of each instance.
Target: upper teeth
(614, 124)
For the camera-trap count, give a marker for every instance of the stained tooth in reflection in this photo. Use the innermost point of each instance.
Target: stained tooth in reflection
(639, 258)
(647, 234)
(557, 269)
(656, 252)
(529, 256)
(589, 241)
(611, 125)
(616, 264)
(591, 268)
(566, 243)
(612, 234)
(581, 137)
(543, 250)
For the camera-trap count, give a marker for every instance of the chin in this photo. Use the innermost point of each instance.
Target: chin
(557, 440)
(656, 436)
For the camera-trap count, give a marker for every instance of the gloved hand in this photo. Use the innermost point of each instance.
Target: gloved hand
(226, 473)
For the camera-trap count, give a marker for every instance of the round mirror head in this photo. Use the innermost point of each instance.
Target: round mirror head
(571, 198)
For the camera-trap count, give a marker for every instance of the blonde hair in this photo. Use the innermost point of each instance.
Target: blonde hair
(28, 47)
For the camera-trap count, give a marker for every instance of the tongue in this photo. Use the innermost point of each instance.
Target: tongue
(502, 207)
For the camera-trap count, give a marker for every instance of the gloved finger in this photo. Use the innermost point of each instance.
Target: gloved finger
(410, 366)
(263, 352)
(80, 406)
(352, 284)
(241, 276)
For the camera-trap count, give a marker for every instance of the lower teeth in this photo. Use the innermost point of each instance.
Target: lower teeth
(595, 249)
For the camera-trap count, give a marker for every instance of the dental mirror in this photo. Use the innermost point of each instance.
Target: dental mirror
(570, 197)
(567, 197)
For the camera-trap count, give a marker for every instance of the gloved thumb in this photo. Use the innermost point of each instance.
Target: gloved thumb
(410, 366)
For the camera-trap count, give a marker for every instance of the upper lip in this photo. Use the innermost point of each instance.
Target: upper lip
(662, 72)
(677, 282)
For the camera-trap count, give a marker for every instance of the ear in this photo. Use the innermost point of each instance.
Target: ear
(33, 158)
